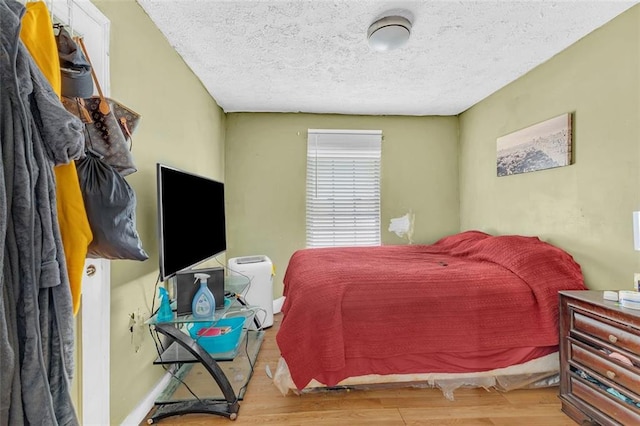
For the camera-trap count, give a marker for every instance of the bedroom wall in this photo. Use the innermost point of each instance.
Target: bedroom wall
(181, 126)
(266, 174)
(585, 208)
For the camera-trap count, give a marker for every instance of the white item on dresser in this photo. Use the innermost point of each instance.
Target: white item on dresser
(629, 299)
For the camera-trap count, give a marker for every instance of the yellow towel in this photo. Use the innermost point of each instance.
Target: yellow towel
(37, 35)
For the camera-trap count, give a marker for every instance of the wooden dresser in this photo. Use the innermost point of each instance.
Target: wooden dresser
(594, 383)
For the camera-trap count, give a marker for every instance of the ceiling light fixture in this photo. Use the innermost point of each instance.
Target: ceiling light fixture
(389, 33)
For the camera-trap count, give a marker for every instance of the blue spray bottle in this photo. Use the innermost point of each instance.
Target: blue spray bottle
(203, 304)
(165, 314)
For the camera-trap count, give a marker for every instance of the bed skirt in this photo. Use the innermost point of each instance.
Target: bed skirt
(537, 373)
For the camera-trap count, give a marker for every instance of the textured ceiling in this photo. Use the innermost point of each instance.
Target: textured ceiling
(313, 56)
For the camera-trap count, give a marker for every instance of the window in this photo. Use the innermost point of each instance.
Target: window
(343, 188)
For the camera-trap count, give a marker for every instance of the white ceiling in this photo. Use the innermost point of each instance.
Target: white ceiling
(313, 56)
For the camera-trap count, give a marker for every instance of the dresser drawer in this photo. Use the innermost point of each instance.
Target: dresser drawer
(607, 332)
(600, 363)
(618, 411)
(593, 385)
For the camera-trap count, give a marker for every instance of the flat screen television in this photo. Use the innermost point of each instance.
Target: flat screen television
(191, 219)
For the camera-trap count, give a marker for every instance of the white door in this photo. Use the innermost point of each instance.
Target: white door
(93, 320)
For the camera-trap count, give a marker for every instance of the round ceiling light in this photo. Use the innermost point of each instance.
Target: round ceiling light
(389, 33)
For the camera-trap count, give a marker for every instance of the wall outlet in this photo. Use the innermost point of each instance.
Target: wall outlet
(636, 281)
(137, 328)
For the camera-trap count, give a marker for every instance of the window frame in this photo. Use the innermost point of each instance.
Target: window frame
(343, 185)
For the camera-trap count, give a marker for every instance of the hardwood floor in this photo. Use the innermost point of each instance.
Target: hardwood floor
(264, 404)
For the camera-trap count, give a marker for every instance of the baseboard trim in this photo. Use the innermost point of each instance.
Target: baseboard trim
(140, 412)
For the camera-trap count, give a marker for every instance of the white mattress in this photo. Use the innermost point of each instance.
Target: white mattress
(540, 372)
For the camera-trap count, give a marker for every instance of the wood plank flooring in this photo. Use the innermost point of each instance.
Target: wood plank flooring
(264, 404)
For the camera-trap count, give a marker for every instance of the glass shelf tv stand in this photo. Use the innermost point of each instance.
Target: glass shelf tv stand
(189, 362)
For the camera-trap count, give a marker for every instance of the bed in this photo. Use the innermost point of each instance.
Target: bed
(471, 309)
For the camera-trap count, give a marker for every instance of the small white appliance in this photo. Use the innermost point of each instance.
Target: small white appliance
(259, 292)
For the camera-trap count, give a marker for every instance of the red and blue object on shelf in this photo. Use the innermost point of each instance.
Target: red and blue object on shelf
(219, 336)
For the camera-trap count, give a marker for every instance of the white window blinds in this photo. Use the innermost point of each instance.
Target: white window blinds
(343, 188)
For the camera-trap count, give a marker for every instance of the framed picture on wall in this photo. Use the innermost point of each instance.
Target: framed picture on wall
(541, 146)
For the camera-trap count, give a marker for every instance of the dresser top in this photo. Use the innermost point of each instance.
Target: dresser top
(595, 297)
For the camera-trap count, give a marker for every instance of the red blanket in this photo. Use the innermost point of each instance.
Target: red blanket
(347, 310)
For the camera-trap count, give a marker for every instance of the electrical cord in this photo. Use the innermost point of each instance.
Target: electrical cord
(251, 370)
(246, 290)
(256, 320)
(169, 370)
(160, 347)
(174, 368)
(153, 299)
(153, 312)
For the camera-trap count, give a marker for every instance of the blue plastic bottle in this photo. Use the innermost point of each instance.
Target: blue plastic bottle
(165, 314)
(203, 304)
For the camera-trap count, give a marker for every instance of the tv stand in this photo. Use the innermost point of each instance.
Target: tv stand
(183, 352)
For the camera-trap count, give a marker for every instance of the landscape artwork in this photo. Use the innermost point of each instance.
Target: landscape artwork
(542, 146)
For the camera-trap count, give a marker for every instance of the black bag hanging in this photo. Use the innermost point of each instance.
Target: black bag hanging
(110, 203)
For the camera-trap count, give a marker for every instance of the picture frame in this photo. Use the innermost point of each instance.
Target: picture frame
(541, 146)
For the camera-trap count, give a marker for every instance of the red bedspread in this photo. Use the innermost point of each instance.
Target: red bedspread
(350, 310)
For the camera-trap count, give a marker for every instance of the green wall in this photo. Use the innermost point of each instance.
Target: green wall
(442, 168)
(181, 126)
(586, 207)
(266, 173)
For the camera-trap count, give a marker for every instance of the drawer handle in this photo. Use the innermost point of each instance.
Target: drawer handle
(611, 375)
(613, 338)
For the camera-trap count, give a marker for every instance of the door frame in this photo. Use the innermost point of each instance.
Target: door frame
(93, 322)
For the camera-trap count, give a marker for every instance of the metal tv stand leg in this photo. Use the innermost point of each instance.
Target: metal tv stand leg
(228, 408)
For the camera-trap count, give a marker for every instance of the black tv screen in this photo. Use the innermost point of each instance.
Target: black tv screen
(191, 219)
